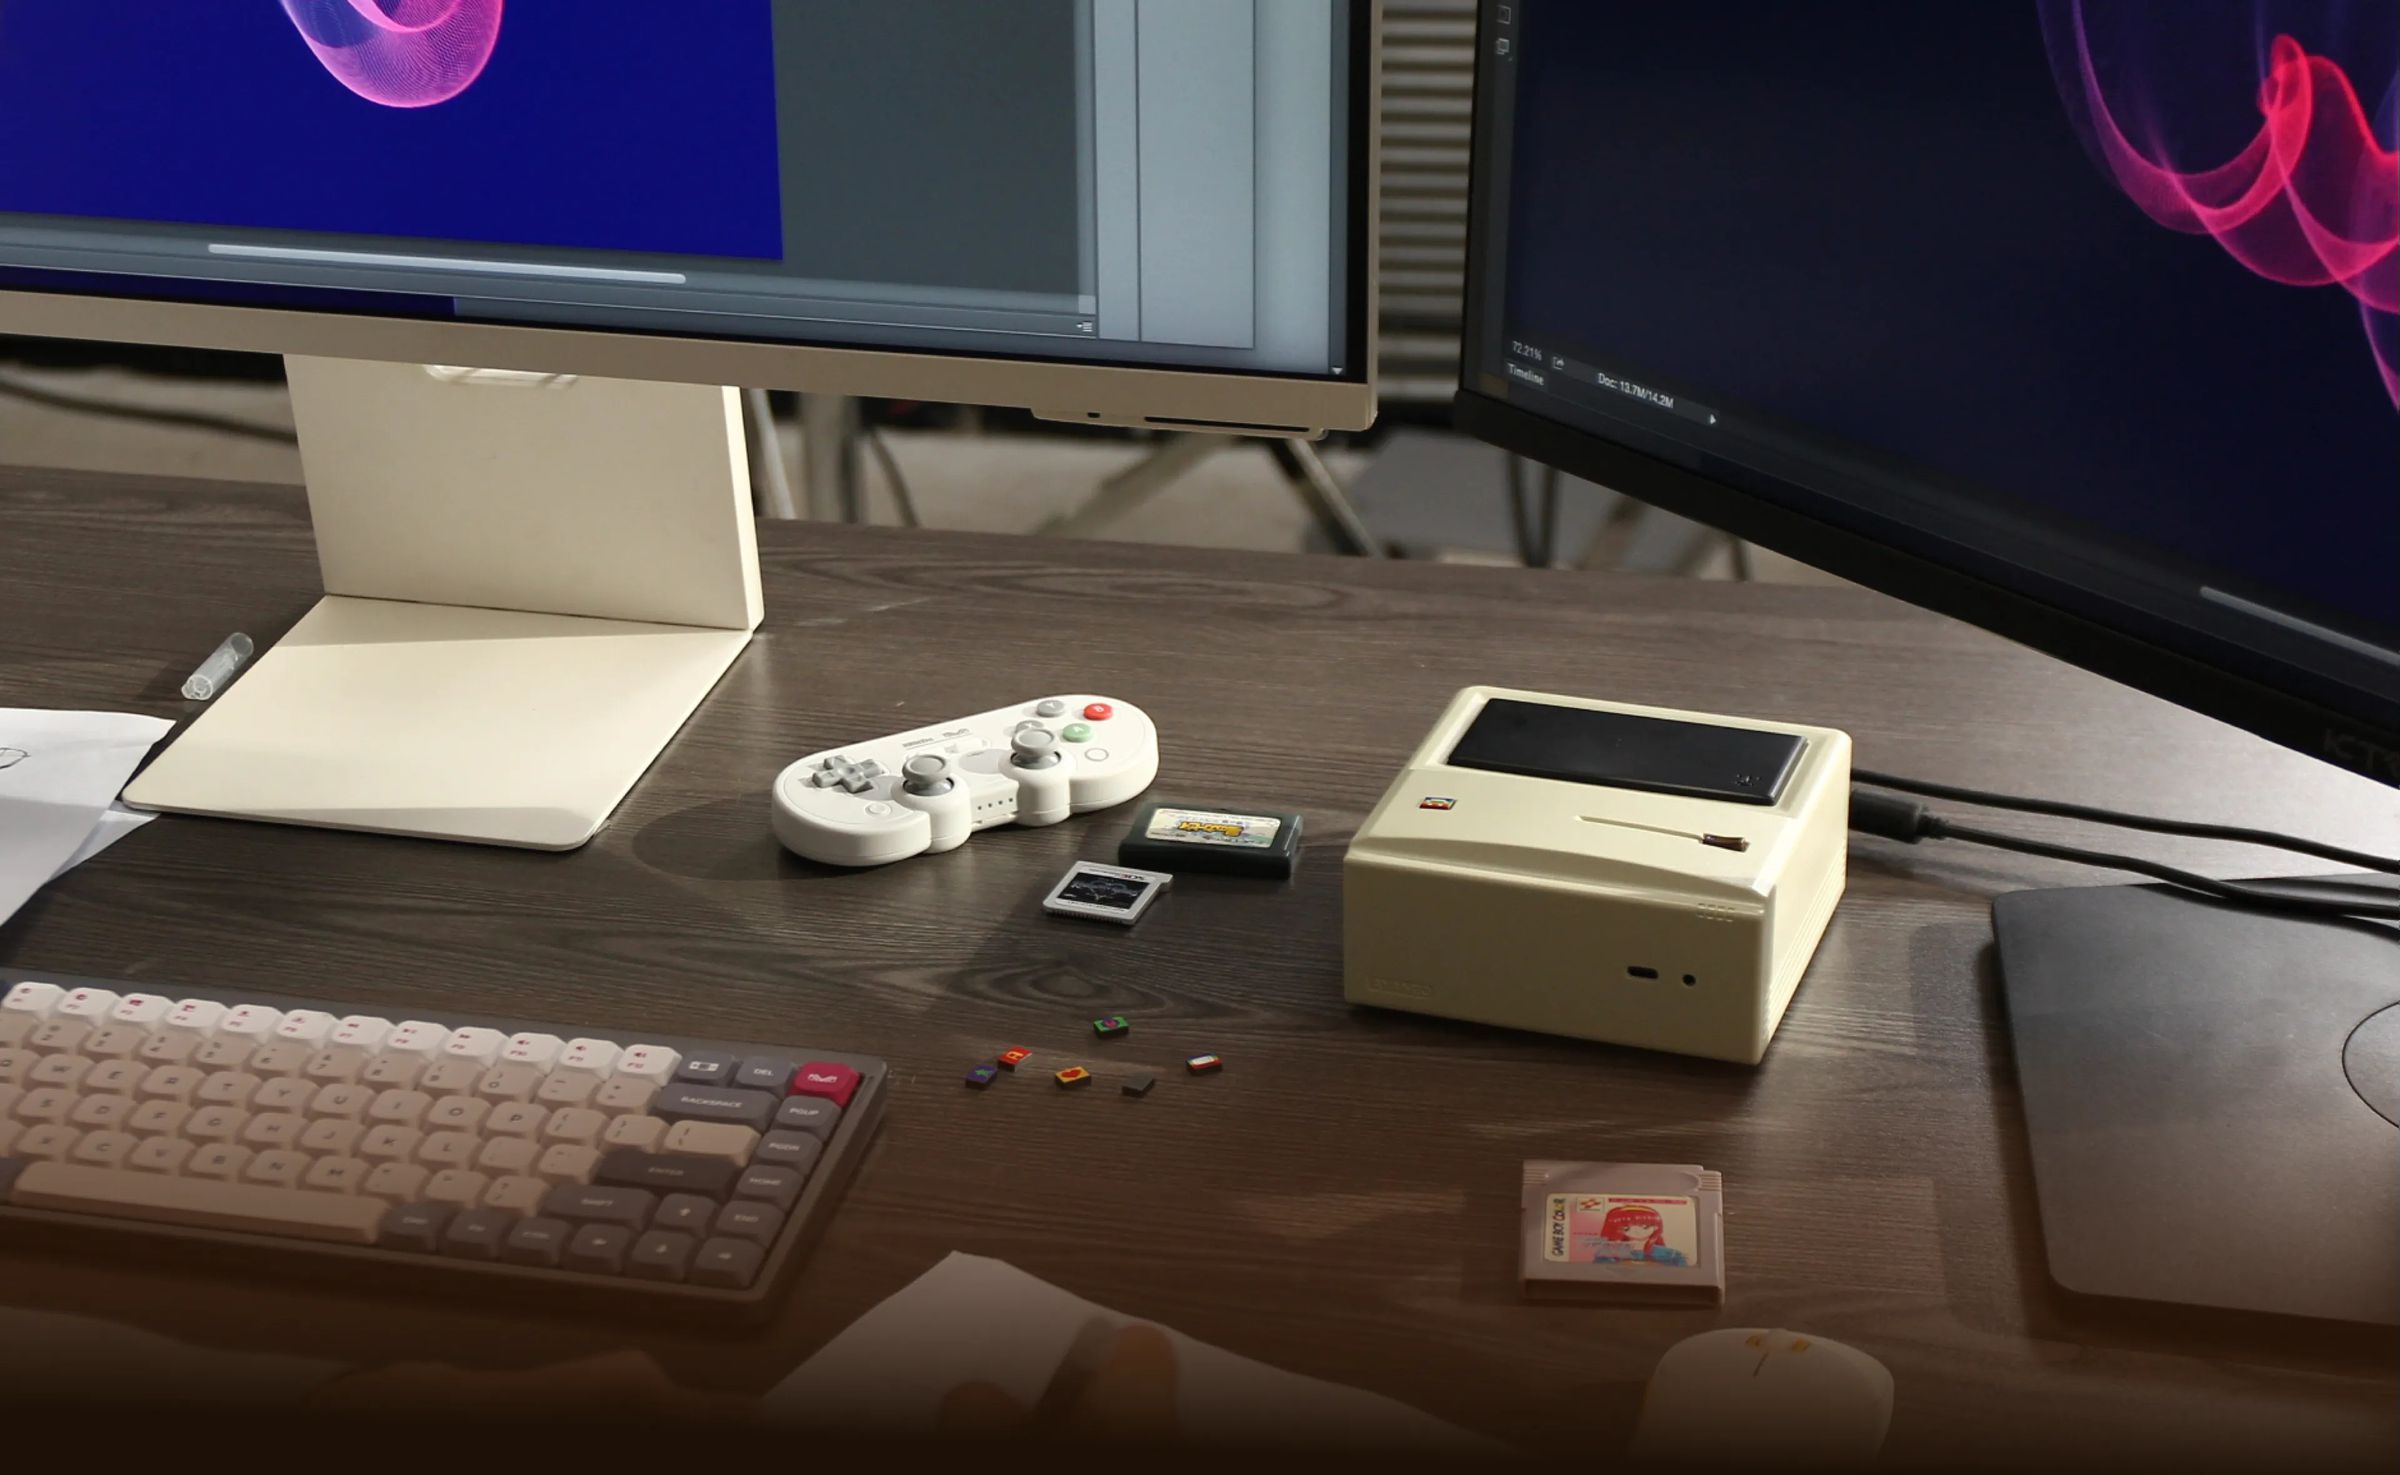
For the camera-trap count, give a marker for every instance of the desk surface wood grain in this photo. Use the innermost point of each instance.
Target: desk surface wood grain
(1341, 1200)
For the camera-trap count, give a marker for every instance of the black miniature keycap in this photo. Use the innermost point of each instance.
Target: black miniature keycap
(1140, 1085)
(477, 1234)
(414, 1227)
(797, 1151)
(539, 1242)
(599, 1249)
(777, 1186)
(686, 1103)
(661, 1255)
(727, 1264)
(708, 1068)
(686, 1212)
(811, 1114)
(757, 1223)
(665, 1172)
(578, 1204)
(766, 1073)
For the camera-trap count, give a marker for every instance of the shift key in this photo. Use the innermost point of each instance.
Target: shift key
(752, 1109)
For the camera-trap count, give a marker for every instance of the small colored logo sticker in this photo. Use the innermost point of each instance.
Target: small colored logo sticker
(1433, 803)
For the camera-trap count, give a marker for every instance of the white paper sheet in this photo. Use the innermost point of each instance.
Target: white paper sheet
(970, 1319)
(59, 774)
(116, 822)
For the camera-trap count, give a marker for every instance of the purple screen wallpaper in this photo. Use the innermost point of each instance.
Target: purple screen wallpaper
(616, 125)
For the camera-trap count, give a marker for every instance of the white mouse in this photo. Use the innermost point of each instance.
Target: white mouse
(1750, 1395)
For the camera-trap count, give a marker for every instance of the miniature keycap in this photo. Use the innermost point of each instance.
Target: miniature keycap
(1201, 1065)
(1011, 1059)
(1074, 1075)
(982, 1076)
(1110, 1027)
(1140, 1085)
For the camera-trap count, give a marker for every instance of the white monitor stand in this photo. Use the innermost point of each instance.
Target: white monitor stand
(531, 581)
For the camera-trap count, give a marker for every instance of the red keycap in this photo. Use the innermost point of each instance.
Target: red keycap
(1099, 712)
(1011, 1059)
(834, 1083)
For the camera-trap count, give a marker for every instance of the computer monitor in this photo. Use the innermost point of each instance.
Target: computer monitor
(2075, 319)
(1146, 212)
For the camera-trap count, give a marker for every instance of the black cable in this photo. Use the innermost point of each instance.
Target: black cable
(2191, 829)
(901, 495)
(51, 399)
(1909, 822)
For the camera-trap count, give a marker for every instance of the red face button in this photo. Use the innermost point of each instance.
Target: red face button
(1098, 712)
(822, 1078)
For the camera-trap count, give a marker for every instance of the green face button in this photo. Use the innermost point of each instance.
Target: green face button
(1076, 732)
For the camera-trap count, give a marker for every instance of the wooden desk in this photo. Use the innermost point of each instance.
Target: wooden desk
(1341, 1201)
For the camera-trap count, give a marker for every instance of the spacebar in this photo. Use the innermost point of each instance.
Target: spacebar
(199, 1203)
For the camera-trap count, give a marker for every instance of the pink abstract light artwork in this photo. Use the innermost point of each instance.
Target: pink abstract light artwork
(2311, 200)
(400, 53)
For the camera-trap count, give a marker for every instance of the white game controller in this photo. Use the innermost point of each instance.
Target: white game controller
(873, 803)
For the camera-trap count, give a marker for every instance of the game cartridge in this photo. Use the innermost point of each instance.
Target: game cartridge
(1632, 1232)
(1231, 842)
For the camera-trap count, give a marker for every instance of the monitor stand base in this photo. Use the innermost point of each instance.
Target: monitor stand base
(531, 583)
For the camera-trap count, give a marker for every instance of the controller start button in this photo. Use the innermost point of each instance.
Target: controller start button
(1099, 712)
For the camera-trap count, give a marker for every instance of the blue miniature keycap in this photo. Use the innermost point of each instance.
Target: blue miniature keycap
(982, 1076)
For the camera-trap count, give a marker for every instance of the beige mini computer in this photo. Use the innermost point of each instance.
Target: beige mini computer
(510, 284)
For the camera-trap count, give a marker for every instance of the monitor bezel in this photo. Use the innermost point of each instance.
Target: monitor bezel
(2199, 672)
(1153, 395)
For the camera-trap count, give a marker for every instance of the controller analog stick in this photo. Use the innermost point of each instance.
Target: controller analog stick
(927, 773)
(1033, 747)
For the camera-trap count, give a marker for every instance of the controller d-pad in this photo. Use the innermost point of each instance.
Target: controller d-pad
(852, 778)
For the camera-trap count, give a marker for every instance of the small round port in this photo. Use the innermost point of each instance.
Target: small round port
(1689, 980)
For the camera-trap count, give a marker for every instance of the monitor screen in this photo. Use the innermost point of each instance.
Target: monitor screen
(1097, 181)
(2090, 300)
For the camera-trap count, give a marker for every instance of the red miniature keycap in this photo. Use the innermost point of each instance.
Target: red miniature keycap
(1098, 712)
(1011, 1059)
(823, 1078)
(1073, 1075)
(1201, 1065)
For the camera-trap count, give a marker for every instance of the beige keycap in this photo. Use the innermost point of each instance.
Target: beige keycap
(516, 1194)
(216, 1124)
(332, 1137)
(9, 1097)
(277, 1168)
(120, 1077)
(336, 1063)
(341, 1099)
(48, 1142)
(450, 1078)
(459, 1187)
(161, 1155)
(58, 1036)
(198, 1202)
(448, 1149)
(641, 1133)
(457, 1114)
(568, 1088)
(508, 1083)
(105, 1149)
(10, 1131)
(169, 1048)
(158, 1118)
(14, 1028)
(515, 1119)
(115, 1042)
(226, 1052)
(579, 1125)
(285, 1093)
(271, 1129)
(63, 1071)
(228, 1088)
(396, 1183)
(399, 1108)
(337, 1175)
(44, 1104)
(171, 1083)
(101, 1113)
(567, 1163)
(280, 1058)
(392, 1071)
(503, 1155)
(390, 1144)
(625, 1094)
(15, 1064)
(219, 1160)
(722, 1141)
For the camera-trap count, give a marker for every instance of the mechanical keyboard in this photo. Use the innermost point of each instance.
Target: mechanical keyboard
(578, 1165)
